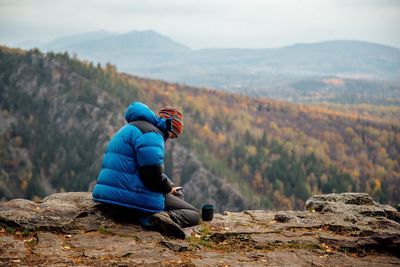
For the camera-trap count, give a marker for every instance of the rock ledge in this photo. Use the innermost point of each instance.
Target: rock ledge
(348, 229)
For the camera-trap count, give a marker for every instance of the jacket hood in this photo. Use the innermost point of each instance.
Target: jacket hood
(138, 111)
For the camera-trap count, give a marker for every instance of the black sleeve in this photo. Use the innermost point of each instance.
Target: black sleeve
(154, 179)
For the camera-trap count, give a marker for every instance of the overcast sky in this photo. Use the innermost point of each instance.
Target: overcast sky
(207, 23)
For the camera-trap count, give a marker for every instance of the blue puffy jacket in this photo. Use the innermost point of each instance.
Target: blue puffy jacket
(131, 172)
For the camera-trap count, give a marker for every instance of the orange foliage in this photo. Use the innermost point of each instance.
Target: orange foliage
(357, 144)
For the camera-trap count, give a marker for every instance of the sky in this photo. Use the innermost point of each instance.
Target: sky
(206, 23)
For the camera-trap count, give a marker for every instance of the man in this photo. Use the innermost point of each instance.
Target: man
(132, 171)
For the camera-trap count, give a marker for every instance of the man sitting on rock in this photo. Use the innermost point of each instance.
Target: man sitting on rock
(132, 171)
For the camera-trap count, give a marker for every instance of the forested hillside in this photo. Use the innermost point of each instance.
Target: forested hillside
(57, 114)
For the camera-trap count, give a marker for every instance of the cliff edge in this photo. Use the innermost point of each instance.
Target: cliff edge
(348, 229)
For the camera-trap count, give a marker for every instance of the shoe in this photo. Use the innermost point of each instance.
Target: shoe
(144, 221)
(163, 223)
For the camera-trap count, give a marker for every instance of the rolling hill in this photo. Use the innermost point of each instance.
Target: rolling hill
(258, 72)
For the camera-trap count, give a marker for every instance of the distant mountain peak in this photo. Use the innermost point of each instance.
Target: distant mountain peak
(151, 35)
(143, 32)
(345, 43)
(103, 46)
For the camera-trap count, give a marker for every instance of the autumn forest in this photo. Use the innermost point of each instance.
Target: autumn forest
(57, 114)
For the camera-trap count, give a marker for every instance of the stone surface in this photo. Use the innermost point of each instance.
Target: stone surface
(69, 229)
(11, 248)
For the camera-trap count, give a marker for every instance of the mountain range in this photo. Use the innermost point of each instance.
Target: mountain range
(274, 72)
(57, 114)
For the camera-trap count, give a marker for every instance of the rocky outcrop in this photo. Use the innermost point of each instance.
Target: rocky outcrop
(347, 229)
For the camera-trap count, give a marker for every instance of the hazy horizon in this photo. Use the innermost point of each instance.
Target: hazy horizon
(206, 24)
(28, 42)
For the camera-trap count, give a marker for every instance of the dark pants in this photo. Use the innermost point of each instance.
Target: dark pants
(180, 211)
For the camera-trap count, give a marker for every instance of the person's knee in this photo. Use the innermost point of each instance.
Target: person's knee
(192, 218)
(196, 218)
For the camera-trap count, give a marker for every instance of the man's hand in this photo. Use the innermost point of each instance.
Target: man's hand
(174, 191)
